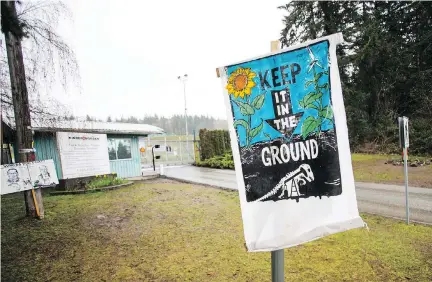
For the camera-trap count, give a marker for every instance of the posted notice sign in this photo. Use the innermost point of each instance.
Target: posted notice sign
(290, 144)
(83, 154)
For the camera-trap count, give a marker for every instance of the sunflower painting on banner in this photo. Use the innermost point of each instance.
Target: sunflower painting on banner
(290, 143)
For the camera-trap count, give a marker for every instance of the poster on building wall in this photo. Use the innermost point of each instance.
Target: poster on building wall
(24, 176)
(83, 154)
(290, 144)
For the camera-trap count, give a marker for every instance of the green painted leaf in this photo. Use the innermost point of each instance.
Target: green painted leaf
(309, 82)
(258, 102)
(310, 98)
(267, 135)
(302, 104)
(326, 72)
(254, 131)
(310, 124)
(245, 109)
(325, 86)
(312, 106)
(241, 122)
(318, 76)
(327, 112)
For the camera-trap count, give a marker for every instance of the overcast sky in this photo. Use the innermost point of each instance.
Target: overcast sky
(130, 53)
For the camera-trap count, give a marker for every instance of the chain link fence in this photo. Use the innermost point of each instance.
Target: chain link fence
(181, 150)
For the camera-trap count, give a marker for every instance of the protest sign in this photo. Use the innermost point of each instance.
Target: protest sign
(24, 176)
(290, 145)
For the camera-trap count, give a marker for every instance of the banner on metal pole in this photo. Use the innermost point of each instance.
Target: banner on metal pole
(290, 145)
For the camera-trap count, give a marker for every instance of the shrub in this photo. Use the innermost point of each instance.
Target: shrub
(104, 182)
(213, 143)
(224, 161)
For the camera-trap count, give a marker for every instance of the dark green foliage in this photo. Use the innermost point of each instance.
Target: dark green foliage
(223, 161)
(112, 153)
(123, 150)
(215, 149)
(213, 143)
(385, 65)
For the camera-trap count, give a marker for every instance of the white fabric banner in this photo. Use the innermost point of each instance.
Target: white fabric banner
(290, 145)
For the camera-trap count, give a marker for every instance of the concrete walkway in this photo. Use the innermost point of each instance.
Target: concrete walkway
(381, 199)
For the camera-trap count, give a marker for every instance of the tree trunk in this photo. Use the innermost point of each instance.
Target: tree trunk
(21, 107)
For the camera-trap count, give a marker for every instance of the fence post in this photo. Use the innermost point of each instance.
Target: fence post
(166, 152)
(181, 153)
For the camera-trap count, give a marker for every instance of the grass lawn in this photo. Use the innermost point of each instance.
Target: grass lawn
(167, 231)
(371, 168)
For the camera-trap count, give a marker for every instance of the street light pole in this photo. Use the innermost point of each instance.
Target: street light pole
(183, 79)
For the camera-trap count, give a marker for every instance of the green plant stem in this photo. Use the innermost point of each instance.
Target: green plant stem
(250, 126)
(319, 102)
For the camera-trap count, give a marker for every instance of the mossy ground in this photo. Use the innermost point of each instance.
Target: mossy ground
(167, 231)
(372, 168)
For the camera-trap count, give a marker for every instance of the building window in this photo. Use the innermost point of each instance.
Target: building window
(119, 149)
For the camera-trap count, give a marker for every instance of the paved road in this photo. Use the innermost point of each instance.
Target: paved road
(386, 200)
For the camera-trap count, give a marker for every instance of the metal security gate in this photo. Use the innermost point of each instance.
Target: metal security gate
(176, 150)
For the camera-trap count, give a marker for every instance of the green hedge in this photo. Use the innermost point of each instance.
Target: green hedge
(223, 161)
(213, 143)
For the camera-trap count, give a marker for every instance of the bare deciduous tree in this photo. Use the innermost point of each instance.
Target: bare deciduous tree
(47, 59)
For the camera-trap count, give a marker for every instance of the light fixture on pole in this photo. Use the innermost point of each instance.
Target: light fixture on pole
(183, 79)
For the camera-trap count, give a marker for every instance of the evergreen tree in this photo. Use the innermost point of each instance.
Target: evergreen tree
(385, 64)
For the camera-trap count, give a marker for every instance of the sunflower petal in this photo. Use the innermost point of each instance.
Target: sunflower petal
(240, 82)
(229, 89)
(250, 84)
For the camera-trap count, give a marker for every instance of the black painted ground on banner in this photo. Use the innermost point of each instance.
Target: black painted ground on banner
(260, 179)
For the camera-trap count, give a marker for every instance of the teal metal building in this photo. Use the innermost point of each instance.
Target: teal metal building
(124, 164)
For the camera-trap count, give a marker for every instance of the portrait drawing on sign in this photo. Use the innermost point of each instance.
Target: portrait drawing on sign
(44, 177)
(13, 179)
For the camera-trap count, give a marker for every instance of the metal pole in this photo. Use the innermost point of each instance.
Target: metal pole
(277, 257)
(405, 151)
(154, 167)
(186, 117)
(277, 265)
(193, 146)
(181, 153)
